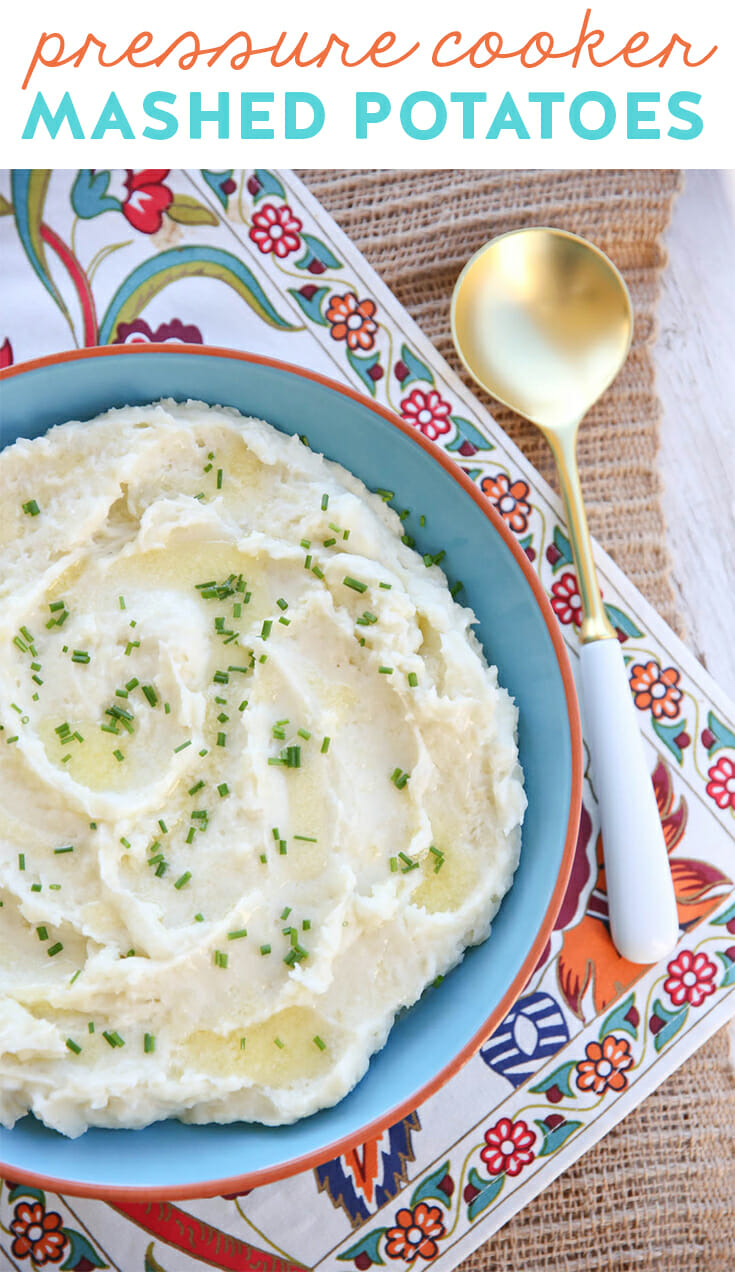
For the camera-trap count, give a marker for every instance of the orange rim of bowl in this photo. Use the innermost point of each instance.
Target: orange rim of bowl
(213, 1188)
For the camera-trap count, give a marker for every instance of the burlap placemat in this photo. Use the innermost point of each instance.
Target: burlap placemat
(660, 1190)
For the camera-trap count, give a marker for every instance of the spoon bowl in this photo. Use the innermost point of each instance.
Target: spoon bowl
(546, 299)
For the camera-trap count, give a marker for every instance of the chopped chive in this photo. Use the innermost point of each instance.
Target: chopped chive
(242, 1043)
(90, 1027)
(325, 745)
(265, 949)
(76, 975)
(57, 605)
(131, 645)
(319, 574)
(36, 887)
(306, 925)
(385, 671)
(197, 787)
(455, 588)
(80, 656)
(221, 739)
(164, 827)
(304, 733)
(221, 678)
(198, 918)
(161, 869)
(325, 502)
(125, 842)
(55, 887)
(386, 586)
(150, 694)
(306, 839)
(182, 880)
(278, 1041)
(237, 935)
(413, 679)
(118, 756)
(204, 752)
(73, 1046)
(242, 670)
(21, 861)
(149, 1043)
(42, 932)
(320, 1043)
(182, 747)
(219, 478)
(113, 1038)
(121, 601)
(67, 848)
(385, 495)
(285, 911)
(307, 561)
(329, 543)
(283, 605)
(31, 508)
(223, 790)
(283, 847)
(394, 864)
(409, 541)
(243, 704)
(265, 631)
(220, 959)
(132, 684)
(263, 858)
(53, 950)
(355, 584)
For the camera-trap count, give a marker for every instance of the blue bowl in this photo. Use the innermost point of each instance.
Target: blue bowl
(519, 633)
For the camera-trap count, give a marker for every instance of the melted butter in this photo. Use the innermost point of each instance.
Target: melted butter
(447, 889)
(93, 763)
(261, 1059)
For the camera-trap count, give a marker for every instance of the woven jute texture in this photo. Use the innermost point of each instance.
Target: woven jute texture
(659, 1191)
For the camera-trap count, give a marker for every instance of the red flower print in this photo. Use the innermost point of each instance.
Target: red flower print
(509, 499)
(604, 1068)
(508, 1147)
(427, 412)
(565, 599)
(173, 332)
(352, 320)
(656, 688)
(276, 230)
(721, 784)
(147, 198)
(6, 354)
(38, 1234)
(415, 1233)
(691, 979)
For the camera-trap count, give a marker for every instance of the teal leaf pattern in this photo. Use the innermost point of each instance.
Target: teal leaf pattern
(216, 180)
(429, 1188)
(617, 1020)
(369, 1245)
(363, 366)
(24, 1190)
(89, 196)
(673, 1021)
(559, 1078)
(555, 1136)
(562, 545)
(488, 1190)
(623, 622)
(467, 432)
(729, 966)
(316, 250)
(723, 735)
(417, 370)
(269, 185)
(80, 1249)
(311, 304)
(151, 1264)
(727, 917)
(668, 733)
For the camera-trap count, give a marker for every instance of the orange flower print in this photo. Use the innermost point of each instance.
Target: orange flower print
(691, 979)
(38, 1234)
(415, 1233)
(427, 411)
(565, 599)
(604, 1068)
(508, 1147)
(510, 500)
(721, 785)
(352, 320)
(656, 689)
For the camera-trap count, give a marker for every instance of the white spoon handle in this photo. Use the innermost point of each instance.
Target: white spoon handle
(643, 917)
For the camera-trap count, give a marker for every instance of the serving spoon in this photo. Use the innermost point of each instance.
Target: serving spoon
(543, 320)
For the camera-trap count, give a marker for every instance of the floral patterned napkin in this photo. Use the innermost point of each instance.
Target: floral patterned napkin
(249, 259)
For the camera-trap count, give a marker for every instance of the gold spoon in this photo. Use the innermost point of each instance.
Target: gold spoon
(543, 321)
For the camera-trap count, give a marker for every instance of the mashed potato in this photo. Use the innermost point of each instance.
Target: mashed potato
(258, 785)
